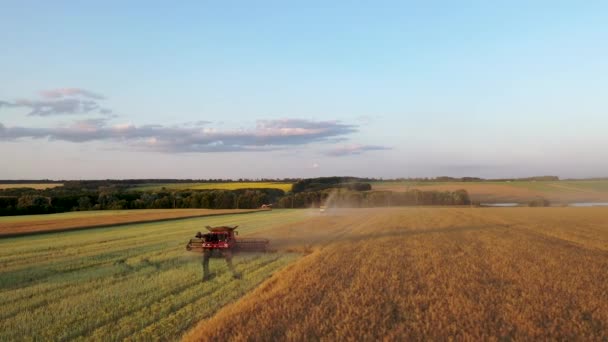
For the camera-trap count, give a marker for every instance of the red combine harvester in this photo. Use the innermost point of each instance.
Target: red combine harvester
(222, 241)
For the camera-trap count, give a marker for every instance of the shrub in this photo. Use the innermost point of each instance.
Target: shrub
(539, 202)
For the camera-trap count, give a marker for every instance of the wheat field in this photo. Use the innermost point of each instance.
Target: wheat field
(432, 273)
(365, 274)
(134, 282)
(37, 186)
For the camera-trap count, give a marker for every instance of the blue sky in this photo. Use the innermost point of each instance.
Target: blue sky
(301, 89)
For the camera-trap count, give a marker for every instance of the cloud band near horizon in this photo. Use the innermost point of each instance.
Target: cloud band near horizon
(266, 136)
(194, 136)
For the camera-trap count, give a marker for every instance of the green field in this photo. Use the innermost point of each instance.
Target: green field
(95, 214)
(134, 282)
(217, 186)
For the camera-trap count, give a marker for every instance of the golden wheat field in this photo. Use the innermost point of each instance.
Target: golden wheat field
(37, 186)
(430, 273)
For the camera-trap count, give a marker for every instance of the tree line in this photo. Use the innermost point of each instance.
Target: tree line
(26, 201)
(323, 183)
(92, 184)
(344, 198)
(46, 202)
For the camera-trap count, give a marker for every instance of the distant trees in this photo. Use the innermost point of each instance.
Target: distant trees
(345, 194)
(353, 199)
(8, 205)
(105, 200)
(84, 203)
(34, 204)
(28, 201)
(322, 183)
(26, 204)
(541, 178)
(539, 202)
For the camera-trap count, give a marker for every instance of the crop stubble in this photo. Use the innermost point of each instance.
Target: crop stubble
(432, 273)
(390, 273)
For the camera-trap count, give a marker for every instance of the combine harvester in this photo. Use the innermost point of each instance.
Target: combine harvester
(222, 241)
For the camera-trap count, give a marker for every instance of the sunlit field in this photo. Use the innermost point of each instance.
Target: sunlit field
(365, 274)
(432, 274)
(130, 282)
(398, 171)
(26, 224)
(37, 186)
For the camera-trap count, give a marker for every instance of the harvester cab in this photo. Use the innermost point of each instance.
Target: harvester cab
(218, 238)
(222, 240)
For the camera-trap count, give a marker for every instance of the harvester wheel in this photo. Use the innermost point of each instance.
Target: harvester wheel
(228, 257)
(206, 256)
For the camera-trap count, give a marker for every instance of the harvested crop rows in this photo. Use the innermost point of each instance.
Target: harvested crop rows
(432, 273)
(365, 274)
(130, 282)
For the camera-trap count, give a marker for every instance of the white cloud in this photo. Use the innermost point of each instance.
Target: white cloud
(266, 136)
(65, 101)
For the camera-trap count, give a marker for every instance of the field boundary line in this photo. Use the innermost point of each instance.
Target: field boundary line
(110, 225)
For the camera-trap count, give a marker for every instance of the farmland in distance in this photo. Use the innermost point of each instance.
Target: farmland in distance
(37, 186)
(558, 192)
(217, 186)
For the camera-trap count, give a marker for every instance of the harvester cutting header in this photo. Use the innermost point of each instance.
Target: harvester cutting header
(224, 238)
(222, 241)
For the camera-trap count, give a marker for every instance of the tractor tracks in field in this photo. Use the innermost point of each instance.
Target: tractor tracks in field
(540, 231)
(179, 297)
